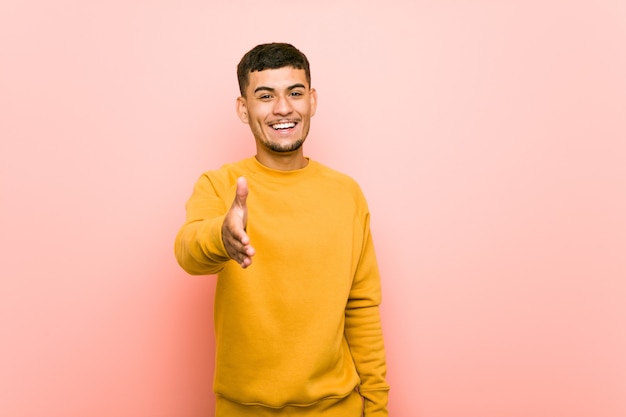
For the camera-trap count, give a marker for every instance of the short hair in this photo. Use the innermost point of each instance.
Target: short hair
(271, 56)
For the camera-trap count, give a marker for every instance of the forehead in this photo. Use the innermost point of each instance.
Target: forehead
(278, 79)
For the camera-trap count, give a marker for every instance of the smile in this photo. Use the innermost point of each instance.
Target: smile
(280, 126)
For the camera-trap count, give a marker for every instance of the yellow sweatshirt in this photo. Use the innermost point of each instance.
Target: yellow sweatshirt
(301, 324)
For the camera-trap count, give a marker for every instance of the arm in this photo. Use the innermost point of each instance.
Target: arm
(212, 235)
(364, 332)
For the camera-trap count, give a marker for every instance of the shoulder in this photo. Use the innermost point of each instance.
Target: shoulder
(338, 180)
(330, 174)
(228, 172)
(336, 176)
(222, 179)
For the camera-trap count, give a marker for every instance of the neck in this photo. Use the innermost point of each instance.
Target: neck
(283, 162)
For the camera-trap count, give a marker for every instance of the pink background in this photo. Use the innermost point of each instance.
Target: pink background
(488, 136)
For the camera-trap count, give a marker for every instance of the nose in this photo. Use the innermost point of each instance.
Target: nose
(282, 106)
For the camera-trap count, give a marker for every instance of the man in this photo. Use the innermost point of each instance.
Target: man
(296, 306)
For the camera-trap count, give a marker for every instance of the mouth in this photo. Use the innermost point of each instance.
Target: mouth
(283, 126)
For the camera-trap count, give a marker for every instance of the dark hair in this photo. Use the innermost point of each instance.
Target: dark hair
(270, 56)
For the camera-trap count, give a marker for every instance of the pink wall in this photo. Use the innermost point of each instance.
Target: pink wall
(489, 138)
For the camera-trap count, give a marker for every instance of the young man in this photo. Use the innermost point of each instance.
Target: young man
(296, 306)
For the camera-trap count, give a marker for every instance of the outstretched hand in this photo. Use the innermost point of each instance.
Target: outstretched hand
(234, 236)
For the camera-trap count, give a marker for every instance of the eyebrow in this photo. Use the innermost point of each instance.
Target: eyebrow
(271, 90)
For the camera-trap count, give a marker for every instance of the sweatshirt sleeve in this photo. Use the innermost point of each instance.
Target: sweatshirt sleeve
(199, 248)
(364, 331)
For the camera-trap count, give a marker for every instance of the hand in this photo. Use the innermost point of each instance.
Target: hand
(234, 236)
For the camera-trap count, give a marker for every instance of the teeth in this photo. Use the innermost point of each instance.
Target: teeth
(283, 125)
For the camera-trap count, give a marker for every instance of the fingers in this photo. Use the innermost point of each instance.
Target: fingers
(238, 246)
(244, 255)
(246, 258)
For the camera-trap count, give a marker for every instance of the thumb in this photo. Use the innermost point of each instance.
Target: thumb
(242, 192)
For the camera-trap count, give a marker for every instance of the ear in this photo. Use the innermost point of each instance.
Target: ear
(242, 109)
(313, 98)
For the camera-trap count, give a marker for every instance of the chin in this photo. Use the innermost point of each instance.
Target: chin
(285, 148)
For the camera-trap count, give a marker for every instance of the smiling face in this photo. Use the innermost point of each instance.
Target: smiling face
(278, 105)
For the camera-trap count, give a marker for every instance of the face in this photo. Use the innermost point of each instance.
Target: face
(278, 106)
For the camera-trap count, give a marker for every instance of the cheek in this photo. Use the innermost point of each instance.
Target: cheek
(257, 116)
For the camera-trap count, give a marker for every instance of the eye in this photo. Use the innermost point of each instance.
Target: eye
(265, 97)
(295, 94)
